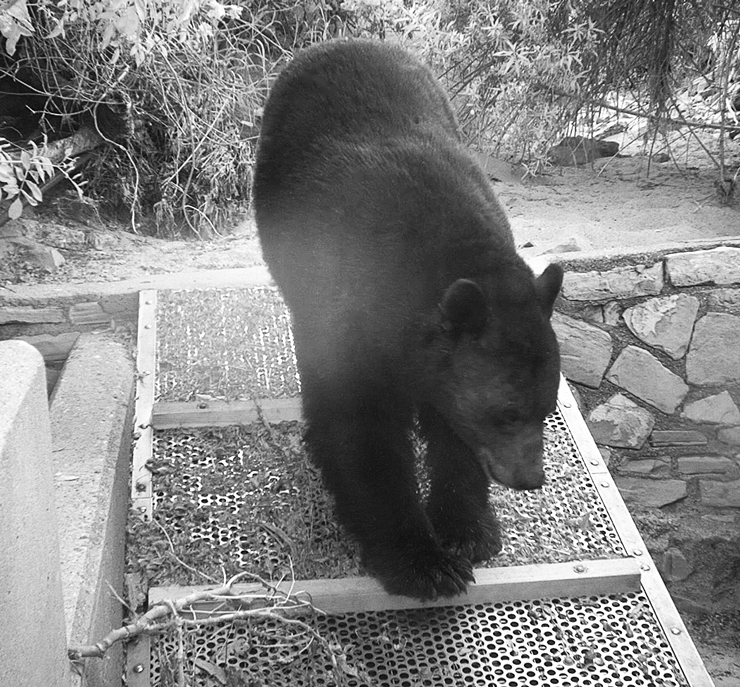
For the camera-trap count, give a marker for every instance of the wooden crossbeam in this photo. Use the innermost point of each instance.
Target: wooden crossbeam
(172, 415)
(492, 585)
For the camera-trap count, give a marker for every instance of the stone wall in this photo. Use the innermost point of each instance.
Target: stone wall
(651, 346)
(53, 324)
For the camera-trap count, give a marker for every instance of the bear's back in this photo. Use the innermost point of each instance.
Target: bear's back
(348, 90)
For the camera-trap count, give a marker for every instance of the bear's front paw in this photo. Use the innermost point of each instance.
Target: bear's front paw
(477, 540)
(421, 572)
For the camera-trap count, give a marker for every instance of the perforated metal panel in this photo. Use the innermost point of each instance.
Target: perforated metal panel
(224, 343)
(249, 499)
(593, 642)
(236, 498)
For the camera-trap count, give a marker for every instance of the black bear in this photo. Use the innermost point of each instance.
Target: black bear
(410, 308)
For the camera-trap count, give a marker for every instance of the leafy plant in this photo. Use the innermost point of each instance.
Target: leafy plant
(21, 177)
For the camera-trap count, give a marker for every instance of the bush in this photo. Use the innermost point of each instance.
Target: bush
(196, 72)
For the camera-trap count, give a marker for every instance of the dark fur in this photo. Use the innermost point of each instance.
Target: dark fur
(408, 300)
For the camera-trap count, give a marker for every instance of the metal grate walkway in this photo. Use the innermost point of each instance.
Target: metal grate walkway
(573, 599)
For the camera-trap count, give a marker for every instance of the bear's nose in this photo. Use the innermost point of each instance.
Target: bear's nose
(529, 478)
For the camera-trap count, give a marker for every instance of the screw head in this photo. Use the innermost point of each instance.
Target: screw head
(605, 485)
(138, 668)
(676, 630)
(579, 568)
(637, 552)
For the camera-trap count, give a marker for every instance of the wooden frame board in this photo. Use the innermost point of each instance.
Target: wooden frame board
(141, 478)
(665, 610)
(493, 585)
(224, 413)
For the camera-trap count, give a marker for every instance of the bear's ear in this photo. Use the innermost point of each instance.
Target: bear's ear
(548, 286)
(463, 307)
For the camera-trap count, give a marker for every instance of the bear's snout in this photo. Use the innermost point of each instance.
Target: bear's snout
(516, 467)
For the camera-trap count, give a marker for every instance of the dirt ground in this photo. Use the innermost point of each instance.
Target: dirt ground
(612, 204)
(624, 202)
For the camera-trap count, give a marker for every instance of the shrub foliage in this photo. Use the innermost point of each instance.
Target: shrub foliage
(196, 72)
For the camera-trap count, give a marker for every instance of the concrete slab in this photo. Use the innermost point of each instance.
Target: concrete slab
(33, 648)
(91, 433)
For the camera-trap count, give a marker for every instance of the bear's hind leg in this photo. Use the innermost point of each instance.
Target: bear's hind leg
(458, 504)
(365, 454)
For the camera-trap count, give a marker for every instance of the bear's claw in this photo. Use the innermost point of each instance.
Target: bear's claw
(424, 575)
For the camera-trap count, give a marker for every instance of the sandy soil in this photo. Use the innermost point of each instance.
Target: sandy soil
(624, 202)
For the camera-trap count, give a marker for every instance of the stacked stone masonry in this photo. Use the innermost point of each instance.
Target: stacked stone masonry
(651, 345)
(53, 325)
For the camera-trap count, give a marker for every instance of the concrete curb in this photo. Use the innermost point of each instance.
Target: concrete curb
(32, 633)
(91, 435)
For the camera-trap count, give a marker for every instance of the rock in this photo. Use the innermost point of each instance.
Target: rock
(640, 373)
(620, 282)
(645, 466)
(578, 150)
(699, 465)
(716, 266)
(714, 354)
(719, 409)
(730, 435)
(121, 305)
(654, 493)
(88, 313)
(11, 230)
(664, 323)
(498, 170)
(612, 313)
(688, 605)
(593, 313)
(677, 437)
(585, 350)
(720, 494)
(39, 256)
(53, 348)
(674, 566)
(724, 298)
(620, 423)
(572, 245)
(606, 455)
(25, 315)
(660, 157)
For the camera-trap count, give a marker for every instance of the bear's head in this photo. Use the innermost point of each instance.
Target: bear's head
(500, 369)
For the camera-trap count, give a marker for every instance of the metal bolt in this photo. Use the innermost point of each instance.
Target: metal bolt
(147, 302)
(565, 404)
(605, 485)
(676, 630)
(147, 326)
(594, 462)
(142, 509)
(579, 568)
(645, 567)
(138, 668)
(637, 552)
